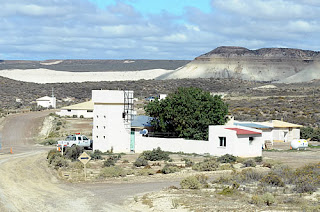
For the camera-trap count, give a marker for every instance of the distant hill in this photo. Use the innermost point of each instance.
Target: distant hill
(266, 64)
(93, 65)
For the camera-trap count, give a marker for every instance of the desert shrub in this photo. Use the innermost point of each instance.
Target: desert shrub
(249, 163)
(74, 116)
(228, 191)
(202, 178)
(170, 168)
(155, 154)
(57, 128)
(227, 166)
(59, 123)
(284, 172)
(49, 142)
(266, 164)
(268, 198)
(188, 162)
(247, 175)
(257, 200)
(113, 171)
(51, 153)
(272, 179)
(59, 161)
(125, 161)
(96, 155)
(209, 164)
(306, 179)
(141, 161)
(145, 172)
(111, 161)
(258, 159)
(73, 152)
(190, 183)
(227, 158)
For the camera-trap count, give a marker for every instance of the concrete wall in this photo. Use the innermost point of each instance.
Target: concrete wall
(171, 144)
(78, 113)
(47, 103)
(285, 134)
(110, 131)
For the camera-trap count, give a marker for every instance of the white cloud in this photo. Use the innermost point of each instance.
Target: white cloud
(37, 29)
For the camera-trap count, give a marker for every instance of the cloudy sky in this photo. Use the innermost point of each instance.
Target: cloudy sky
(152, 29)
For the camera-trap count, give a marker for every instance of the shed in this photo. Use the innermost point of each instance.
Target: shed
(46, 102)
(84, 109)
(236, 140)
(284, 131)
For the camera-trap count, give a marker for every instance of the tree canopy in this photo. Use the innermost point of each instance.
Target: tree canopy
(187, 113)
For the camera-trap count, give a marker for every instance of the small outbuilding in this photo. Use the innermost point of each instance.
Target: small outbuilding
(47, 102)
(284, 131)
(84, 109)
(235, 140)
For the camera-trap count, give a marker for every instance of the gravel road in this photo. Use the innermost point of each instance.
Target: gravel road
(27, 184)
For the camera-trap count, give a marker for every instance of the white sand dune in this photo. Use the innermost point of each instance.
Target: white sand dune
(51, 76)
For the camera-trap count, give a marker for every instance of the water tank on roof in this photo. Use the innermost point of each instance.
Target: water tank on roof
(299, 144)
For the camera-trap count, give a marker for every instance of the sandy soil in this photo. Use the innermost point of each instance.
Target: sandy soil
(50, 76)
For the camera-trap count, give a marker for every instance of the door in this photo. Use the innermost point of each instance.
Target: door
(132, 141)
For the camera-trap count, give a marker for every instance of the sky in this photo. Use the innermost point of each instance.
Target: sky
(152, 29)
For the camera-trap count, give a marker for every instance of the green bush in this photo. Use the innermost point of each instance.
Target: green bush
(96, 155)
(113, 171)
(190, 183)
(111, 161)
(73, 152)
(227, 158)
(59, 162)
(273, 180)
(249, 163)
(145, 172)
(188, 162)
(155, 154)
(170, 168)
(209, 164)
(268, 198)
(141, 161)
(258, 159)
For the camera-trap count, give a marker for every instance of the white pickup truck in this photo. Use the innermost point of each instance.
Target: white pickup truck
(75, 140)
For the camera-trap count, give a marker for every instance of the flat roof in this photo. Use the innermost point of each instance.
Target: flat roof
(81, 106)
(252, 125)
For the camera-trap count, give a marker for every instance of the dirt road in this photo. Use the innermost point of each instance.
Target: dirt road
(27, 184)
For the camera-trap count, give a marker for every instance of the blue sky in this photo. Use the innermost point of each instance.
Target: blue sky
(150, 29)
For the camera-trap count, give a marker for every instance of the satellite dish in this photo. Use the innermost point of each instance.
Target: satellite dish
(144, 132)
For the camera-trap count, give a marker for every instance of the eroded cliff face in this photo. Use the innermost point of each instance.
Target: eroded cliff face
(267, 64)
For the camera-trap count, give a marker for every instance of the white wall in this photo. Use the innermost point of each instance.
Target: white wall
(109, 128)
(292, 133)
(78, 113)
(47, 103)
(171, 144)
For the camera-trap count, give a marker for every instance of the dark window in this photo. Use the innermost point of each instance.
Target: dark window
(89, 111)
(251, 138)
(223, 141)
(69, 110)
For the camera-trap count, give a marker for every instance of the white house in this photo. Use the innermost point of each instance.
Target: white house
(47, 102)
(283, 131)
(266, 130)
(236, 140)
(84, 109)
(113, 129)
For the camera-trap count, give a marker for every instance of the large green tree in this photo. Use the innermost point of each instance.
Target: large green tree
(187, 113)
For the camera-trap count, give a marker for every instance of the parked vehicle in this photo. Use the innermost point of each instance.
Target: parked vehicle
(75, 140)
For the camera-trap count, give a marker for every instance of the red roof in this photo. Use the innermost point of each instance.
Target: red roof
(243, 132)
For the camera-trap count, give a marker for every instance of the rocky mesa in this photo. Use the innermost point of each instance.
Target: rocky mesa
(267, 64)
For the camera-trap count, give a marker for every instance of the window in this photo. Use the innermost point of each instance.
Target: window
(223, 141)
(97, 116)
(90, 111)
(250, 140)
(104, 127)
(69, 110)
(97, 127)
(104, 137)
(97, 136)
(104, 116)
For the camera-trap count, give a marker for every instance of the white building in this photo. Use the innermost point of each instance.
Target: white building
(112, 115)
(284, 131)
(236, 140)
(47, 102)
(84, 109)
(112, 130)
